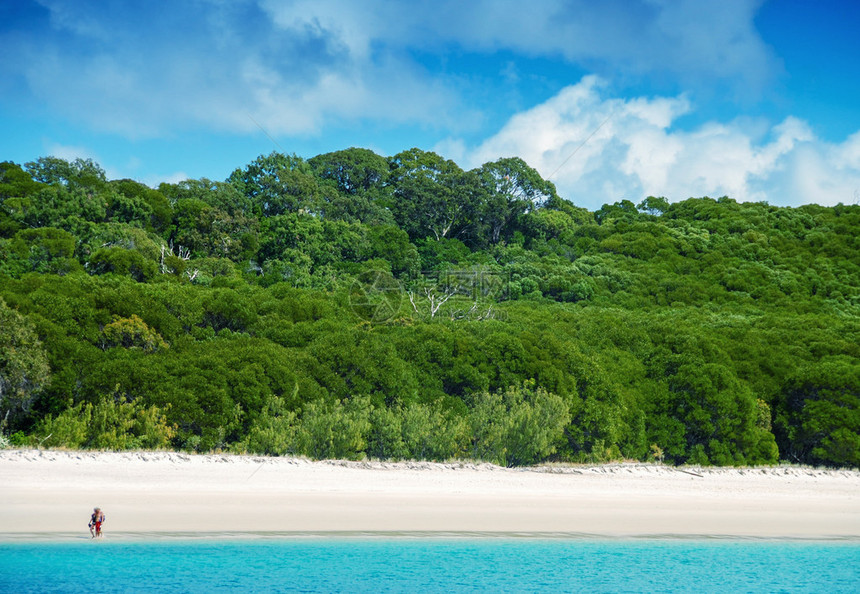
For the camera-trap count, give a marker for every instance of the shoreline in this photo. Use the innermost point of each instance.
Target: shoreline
(440, 536)
(50, 493)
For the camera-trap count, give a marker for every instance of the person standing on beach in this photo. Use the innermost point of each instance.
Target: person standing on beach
(96, 521)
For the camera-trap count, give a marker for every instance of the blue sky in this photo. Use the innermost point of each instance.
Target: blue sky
(618, 99)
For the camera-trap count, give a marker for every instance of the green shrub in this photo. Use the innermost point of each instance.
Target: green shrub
(337, 429)
(109, 424)
(519, 426)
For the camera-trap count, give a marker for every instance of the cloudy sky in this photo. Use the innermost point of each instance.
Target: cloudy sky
(611, 100)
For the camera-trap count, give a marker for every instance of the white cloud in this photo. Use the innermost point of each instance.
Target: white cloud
(354, 24)
(305, 67)
(599, 150)
(71, 152)
(698, 41)
(153, 181)
(831, 171)
(211, 65)
(68, 16)
(296, 66)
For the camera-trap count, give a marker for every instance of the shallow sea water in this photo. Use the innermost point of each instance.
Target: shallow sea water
(421, 563)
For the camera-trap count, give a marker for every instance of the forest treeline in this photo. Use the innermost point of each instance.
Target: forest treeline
(352, 305)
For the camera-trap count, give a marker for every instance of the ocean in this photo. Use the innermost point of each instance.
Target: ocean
(409, 563)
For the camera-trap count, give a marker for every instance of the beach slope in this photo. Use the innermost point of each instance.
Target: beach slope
(162, 493)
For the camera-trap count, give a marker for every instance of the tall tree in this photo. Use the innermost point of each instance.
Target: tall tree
(433, 197)
(353, 186)
(353, 171)
(78, 173)
(512, 188)
(277, 184)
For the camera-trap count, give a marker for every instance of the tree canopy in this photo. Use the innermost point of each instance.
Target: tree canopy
(354, 305)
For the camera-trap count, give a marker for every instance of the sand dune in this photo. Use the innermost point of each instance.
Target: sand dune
(153, 493)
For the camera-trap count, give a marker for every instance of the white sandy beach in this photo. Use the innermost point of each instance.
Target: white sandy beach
(55, 491)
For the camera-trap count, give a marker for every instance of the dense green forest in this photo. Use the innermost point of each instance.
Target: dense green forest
(353, 305)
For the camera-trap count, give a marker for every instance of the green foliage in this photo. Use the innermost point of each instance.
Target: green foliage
(140, 201)
(358, 179)
(209, 231)
(521, 425)
(104, 235)
(315, 244)
(353, 171)
(124, 262)
(274, 431)
(821, 419)
(390, 243)
(334, 429)
(654, 206)
(706, 331)
(433, 197)
(277, 184)
(82, 173)
(510, 189)
(45, 250)
(23, 363)
(15, 182)
(132, 333)
(109, 424)
(416, 431)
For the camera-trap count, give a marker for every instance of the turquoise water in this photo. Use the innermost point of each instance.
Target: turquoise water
(407, 564)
